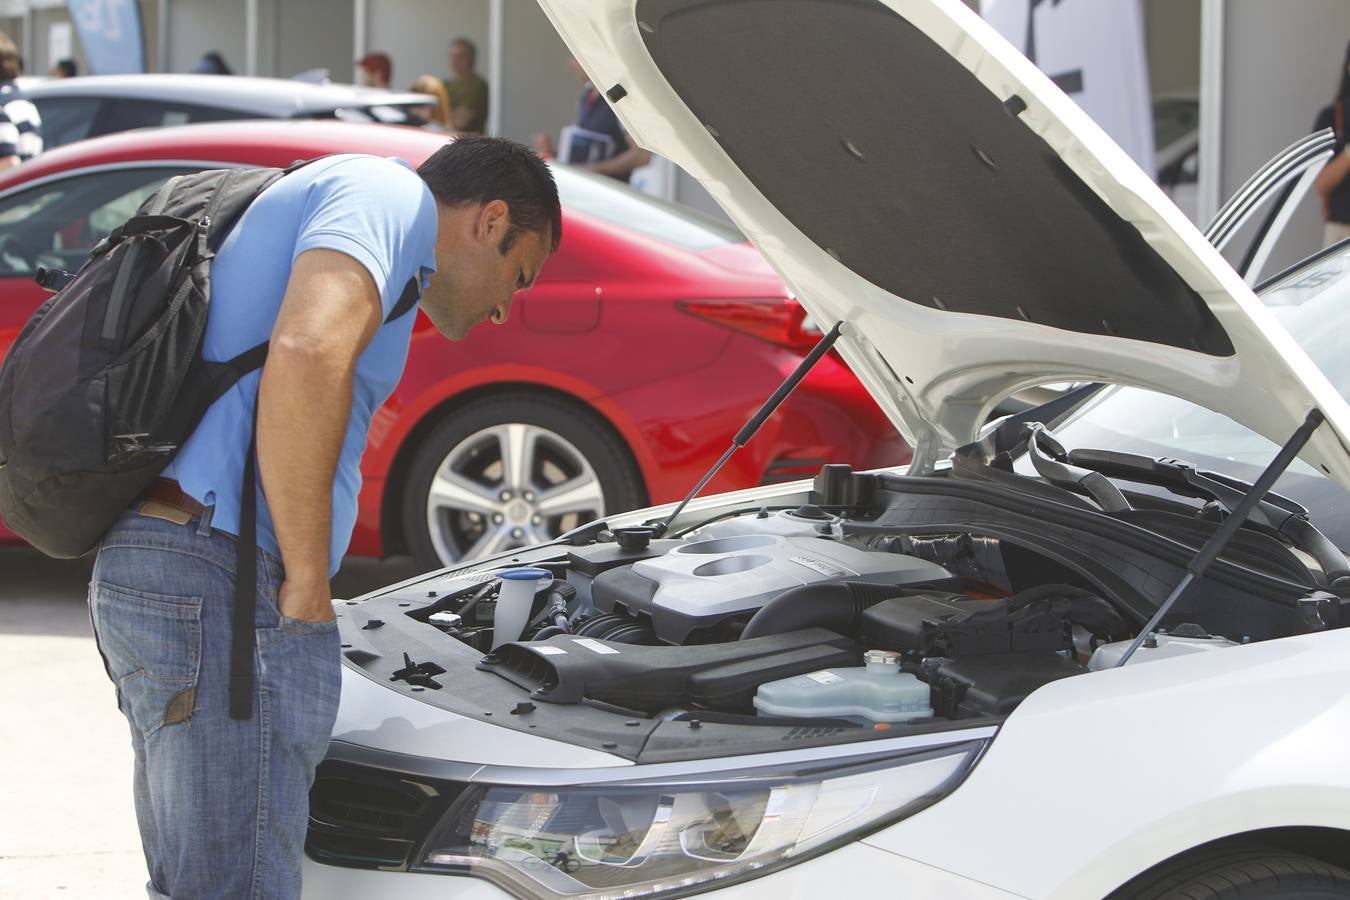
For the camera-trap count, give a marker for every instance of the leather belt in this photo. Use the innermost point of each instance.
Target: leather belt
(167, 491)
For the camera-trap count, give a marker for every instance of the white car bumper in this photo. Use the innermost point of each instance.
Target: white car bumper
(848, 868)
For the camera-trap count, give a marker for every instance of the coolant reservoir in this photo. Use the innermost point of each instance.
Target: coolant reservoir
(877, 692)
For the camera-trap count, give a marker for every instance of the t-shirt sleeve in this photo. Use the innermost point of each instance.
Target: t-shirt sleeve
(376, 211)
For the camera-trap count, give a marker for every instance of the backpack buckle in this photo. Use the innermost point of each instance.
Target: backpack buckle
(53, 279)
(131, 443)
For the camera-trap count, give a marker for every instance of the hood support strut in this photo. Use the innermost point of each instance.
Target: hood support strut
(749, 428)
(1217, 541)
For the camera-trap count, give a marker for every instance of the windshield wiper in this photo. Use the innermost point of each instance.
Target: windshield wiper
(1272, 510)
(1219, 539)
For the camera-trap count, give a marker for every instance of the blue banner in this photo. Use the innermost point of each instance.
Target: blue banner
(110, 32)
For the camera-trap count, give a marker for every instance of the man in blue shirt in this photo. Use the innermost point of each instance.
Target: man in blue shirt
(316, 264)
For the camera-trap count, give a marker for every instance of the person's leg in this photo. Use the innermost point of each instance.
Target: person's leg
(140, 792)
(227, 799)
(299, 676)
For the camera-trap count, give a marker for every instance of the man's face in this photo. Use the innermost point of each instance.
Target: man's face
(460, 61)
(476, 282)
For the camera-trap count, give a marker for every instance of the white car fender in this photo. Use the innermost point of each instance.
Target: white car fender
(1097, 778)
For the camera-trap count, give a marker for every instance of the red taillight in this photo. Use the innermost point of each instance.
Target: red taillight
(777, 320)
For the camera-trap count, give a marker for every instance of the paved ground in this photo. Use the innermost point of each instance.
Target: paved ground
(66, 823)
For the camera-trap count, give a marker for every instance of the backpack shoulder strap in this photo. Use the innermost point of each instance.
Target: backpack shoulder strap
(412, 292)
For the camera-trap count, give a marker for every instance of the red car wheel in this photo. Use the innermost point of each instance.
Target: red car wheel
(512, 470)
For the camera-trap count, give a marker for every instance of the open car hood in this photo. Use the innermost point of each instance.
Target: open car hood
(907, 171)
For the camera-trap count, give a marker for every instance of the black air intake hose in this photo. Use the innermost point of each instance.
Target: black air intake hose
(836, 605)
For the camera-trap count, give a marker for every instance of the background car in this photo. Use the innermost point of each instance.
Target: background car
(646, 342)
(76, 108)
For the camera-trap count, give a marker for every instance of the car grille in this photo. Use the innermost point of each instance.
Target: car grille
(369, 818)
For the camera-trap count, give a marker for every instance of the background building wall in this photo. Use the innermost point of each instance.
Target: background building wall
(197, 26)
(539, 93)
(1281, 64)
(311, 34)
(1172, 30)
(417, 33)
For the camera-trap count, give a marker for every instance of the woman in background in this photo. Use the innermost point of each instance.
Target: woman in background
(1334, 181)
(438, 113)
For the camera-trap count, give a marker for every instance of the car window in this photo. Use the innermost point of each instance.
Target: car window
(125, 114)
(66, 119)
(614, 202)
(56, 224)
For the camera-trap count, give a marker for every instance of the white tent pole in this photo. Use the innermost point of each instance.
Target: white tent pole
(497, 56)
(360, 34)
(251, 37)
(162, 36)
(1209, 187)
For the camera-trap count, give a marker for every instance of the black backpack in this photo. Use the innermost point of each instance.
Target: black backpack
(106, 381)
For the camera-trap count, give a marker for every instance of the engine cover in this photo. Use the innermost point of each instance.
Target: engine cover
(703, 583)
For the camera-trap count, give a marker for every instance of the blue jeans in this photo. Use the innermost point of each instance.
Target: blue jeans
(222, 804)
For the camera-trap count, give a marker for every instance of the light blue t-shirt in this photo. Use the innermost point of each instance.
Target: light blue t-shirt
(378, 211)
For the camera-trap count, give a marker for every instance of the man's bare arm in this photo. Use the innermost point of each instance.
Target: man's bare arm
(632, 158)
(329, 315)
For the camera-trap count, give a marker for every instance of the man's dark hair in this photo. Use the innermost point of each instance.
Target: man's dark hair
(470, 46)
(68, 67)
(482, 169)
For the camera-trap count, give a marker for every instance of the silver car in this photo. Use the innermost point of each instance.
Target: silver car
(73, 109)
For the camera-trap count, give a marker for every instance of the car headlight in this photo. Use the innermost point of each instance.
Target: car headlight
(645, 839)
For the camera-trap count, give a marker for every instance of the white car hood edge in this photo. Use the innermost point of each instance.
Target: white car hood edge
(936, 372)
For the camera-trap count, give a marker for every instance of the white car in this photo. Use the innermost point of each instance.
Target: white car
(73, 109)
(1005, 672)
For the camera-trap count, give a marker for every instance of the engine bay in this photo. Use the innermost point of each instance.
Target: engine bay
(874, 604)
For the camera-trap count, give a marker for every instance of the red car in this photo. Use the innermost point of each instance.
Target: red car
(648, 339)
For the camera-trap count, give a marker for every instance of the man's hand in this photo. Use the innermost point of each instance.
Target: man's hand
(308, 602)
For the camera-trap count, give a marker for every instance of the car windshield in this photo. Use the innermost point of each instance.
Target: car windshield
(611, 201)
(1312, 302)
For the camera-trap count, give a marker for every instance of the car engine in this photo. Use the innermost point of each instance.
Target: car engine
(880, 602)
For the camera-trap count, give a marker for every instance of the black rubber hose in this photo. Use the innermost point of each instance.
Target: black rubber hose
(544, 634)
(836, 605)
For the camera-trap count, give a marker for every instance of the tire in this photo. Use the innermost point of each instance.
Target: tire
(1251, 873)
(481, 507)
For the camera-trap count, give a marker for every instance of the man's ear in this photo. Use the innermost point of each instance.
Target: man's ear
(494, 220)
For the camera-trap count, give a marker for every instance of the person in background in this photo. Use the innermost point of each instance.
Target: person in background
(1333, 184)
(467, 90)
(212, 63)
(64, 68)
(376, 70)
(439, 112)
(596, 142)
(20, 124)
